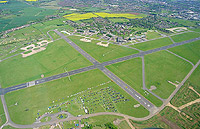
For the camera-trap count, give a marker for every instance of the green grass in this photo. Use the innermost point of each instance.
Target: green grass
(161, 67)
(22, 14)
(189, 51)
(124, 125)
(96, 51)
(196, 29)
(101, 120)
(28, 52)
(194, 79)
(98, 122)
(41, 97)
(168, 118)
(179, 119)
(186, 95)
(9, 127)
(70, 124)
(54, 35)
(185, 36)
(53, 60)
(183, 22)
(152, 35)
(44, 27)
(152, 44)
(2, 115)
(118, 20)
(130, 71)
(45, 119)
(154, 122)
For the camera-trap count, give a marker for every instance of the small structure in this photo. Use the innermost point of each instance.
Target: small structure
(120, 39)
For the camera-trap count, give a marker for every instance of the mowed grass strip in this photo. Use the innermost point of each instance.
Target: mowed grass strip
(130, 71)
(185, 36)
(190, 51)
(101, 120)
(2, 114)
(101, 53)
(161, 67)
(40, 97)
(152, 35)
(53, 60)
(144, 46)
(54, 35)
(118, 20)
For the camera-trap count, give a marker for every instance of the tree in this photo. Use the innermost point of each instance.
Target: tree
(110, 126)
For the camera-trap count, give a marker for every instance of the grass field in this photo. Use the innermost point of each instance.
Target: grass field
(2, 114)
(98, 122)
(9, 127)
(197, 29)
(185, 36)
(180, 120)
(152, 35)
(54, 35)
(100, 53)
(32, 99)
(189, 51)
(23, 36)
(118, 20)
(152, 44)
(101, 120)
(185, 94)
(168, 118)
(124, 125)
(44, 27)
(161, 67)
(53, 60)
(130, 71)
(154, 122)
(183, 22)
(21, 14)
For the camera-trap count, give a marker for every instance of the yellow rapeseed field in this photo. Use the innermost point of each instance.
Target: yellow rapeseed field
(78, 16)
(3, 1)
(126, 15)
(31, 0)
